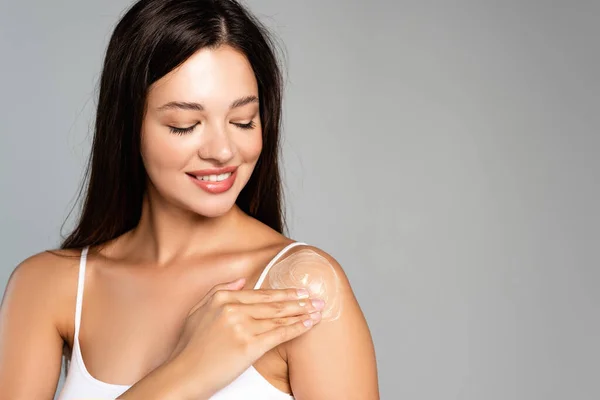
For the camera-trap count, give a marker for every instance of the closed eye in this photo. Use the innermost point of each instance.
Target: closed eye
(249, 125)
(182, 131)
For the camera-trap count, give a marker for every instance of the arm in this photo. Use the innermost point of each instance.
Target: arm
(336, 359)
(30, 342)
(167, 382)
(37, 307)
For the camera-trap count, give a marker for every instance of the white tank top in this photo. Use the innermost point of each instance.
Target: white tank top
(79, 384)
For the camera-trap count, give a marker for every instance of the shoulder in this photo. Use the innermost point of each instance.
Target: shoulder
(41, 271)
(339, 349)
(45, 282)
(310, 261)
(315, 270)
(316, 251)
(34, 324)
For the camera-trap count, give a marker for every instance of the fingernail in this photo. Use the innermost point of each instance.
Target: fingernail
(302, 293)
(318, 303)
(308, 323)
(316, 316)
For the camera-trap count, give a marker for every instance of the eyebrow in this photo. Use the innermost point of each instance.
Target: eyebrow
(183, 105)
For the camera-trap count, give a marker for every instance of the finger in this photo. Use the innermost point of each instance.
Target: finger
(264, 325)
(279, 309)
(265, 295)
(284, 333)
(233, 285)
(238, 284)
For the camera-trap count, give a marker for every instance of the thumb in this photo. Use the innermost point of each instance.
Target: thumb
(236, 285)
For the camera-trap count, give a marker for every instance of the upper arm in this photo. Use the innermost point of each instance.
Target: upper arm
(30, 342)
(336, 358)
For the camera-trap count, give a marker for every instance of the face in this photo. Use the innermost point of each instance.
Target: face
(201, 134)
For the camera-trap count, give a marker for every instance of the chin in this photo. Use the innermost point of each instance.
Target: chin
(213, 209)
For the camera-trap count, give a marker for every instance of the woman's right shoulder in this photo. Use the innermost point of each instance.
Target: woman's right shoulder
(47, 269)
(45, 282)
(36, 317)
(48, 279)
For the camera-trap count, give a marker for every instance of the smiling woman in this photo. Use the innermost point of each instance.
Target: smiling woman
(191, 288)
(205, 111)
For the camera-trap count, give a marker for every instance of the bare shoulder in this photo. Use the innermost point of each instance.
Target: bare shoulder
(45, 282)
(43, 271)
(35, 316)
(306, 261)
(312, 268)
(329, 263)
(336, 358)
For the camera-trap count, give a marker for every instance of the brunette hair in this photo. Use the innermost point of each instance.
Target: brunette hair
(151, 39)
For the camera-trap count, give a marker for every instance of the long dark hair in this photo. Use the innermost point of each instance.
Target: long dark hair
(153, 38)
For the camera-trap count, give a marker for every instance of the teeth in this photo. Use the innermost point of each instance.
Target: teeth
(214, 178)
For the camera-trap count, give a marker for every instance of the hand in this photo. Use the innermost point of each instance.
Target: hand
(230, 328)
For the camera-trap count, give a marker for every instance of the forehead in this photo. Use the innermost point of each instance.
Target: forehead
(210, 75)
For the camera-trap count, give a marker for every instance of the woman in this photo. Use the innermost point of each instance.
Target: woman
(177, 282)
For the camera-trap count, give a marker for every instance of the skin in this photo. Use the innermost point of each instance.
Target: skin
(187, 241)
(307, 269)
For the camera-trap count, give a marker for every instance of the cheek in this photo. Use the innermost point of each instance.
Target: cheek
(250, 146)
(162, 151)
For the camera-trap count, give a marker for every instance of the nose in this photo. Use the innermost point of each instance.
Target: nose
(215, 145)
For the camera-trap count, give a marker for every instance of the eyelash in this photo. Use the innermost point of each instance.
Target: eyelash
(184, 131)
(249, 125)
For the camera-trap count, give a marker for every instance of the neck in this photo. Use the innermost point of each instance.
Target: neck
(166, 232)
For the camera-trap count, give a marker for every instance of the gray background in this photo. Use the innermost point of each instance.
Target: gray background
(446, 155)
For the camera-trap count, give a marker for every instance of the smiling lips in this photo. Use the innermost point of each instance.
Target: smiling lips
(215, 180)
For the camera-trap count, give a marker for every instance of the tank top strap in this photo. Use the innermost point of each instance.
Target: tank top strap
(263, 275)
(80, 286)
